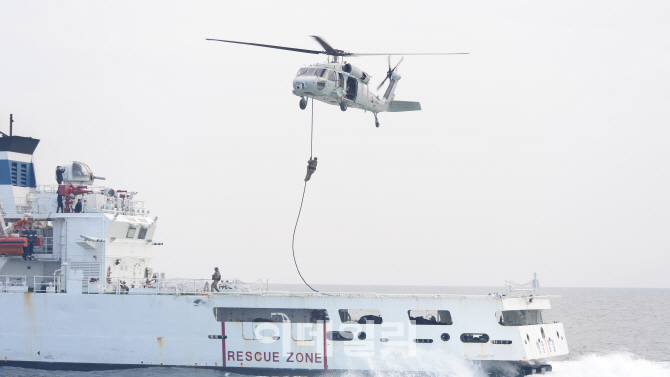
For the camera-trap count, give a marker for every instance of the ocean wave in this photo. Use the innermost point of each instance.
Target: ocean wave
(611, 365)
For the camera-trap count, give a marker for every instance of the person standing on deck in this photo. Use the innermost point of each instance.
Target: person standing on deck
(60, 204)
(216, 279)
(78, 207)
(59, 174)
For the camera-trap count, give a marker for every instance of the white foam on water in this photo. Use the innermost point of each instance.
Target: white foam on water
(441, 365)
(435, 364)
(612, 365)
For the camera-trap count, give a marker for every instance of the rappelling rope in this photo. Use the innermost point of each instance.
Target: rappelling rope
(311, 143)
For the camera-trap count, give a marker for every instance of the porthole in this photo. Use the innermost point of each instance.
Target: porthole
(474, 338)
(445, 337)
(542, 331)
(362, 336)
(384, 340)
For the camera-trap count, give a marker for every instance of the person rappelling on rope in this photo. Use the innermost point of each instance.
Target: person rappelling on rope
(311, 168)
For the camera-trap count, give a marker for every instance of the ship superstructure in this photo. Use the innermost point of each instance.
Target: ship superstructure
(111, 238)
(77, 291)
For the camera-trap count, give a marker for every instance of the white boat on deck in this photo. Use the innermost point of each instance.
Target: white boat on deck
(77, 291)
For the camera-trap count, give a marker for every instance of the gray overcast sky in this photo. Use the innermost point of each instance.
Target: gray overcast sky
(545, 150)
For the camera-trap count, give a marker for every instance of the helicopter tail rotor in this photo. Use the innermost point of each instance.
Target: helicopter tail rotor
(390, 71)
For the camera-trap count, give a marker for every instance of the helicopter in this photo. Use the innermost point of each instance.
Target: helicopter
(340, 83)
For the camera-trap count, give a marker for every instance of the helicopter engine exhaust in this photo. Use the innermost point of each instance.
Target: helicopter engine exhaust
(356, 72)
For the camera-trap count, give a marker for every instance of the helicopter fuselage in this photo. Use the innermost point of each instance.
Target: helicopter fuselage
(339, 84)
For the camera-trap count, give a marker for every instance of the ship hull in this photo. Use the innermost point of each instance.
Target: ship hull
(116, 331)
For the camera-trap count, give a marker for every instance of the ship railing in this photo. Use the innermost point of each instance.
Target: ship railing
(46, 284)
(172, 286)
(46, 189)
(28, 204)
(13, 283)
(137, 209)
(516, 289)
(96, 202)
(53, 189)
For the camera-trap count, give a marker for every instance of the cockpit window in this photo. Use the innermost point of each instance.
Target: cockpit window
(310, 71)
(332, 76)
(302, 72)
(321, 72)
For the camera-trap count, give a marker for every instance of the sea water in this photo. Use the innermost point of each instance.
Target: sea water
(611, 332)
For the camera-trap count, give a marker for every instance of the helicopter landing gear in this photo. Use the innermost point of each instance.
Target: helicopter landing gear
(376, 121)
(343, 106)
(303, 103)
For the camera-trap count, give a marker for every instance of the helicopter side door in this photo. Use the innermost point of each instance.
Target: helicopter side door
(363, 98)
(352, 88)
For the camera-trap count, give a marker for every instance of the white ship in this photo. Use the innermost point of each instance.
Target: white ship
(77, 292)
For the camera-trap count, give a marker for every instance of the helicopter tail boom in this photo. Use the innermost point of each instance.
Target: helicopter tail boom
(398, 106)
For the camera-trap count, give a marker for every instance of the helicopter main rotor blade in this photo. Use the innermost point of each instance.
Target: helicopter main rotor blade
(271, 46)
(417, 53)
(329, 49)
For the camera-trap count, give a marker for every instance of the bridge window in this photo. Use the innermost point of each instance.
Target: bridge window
(361, 316)
(142, 234)
(519, 317)
(225, 314)
(430, 317)
(474, 338)
(131, 232)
